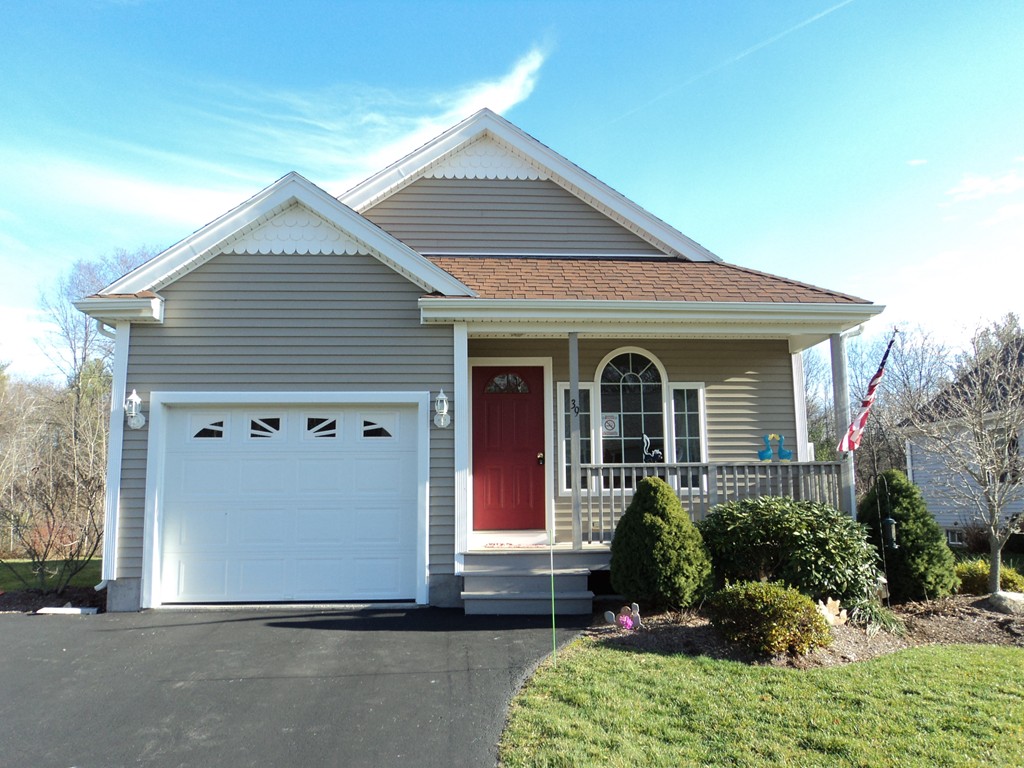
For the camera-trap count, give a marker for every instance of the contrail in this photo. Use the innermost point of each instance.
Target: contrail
(738, 57)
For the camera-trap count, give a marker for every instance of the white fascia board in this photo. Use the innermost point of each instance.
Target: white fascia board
(113, 311)
(564, 172)
(196, 249)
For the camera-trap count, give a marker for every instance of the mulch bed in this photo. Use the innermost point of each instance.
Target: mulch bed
(28, 601)
(951, 620)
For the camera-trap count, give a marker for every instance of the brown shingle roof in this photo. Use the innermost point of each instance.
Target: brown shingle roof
(628, 279)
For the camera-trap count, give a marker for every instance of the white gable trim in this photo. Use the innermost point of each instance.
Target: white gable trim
(444, 151)
(238, 225)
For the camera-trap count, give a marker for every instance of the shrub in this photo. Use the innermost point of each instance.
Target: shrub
(768, 617)
(873, 616)
(922, 565)
(658, 557)
(973, 575)
(813, 547)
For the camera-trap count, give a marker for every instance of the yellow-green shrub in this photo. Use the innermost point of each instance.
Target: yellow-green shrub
(974, 578)
(768, 617)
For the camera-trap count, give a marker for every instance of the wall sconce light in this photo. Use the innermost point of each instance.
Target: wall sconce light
(441, 417)
(133, 410)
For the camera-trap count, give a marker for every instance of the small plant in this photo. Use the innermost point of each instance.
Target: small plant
(813, 547)
(768, 617)
(922, 565)
(658, 558)
(873, 616)
(973, 575)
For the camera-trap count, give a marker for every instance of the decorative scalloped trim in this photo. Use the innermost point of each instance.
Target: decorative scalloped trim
(484, 158)
(296, 231)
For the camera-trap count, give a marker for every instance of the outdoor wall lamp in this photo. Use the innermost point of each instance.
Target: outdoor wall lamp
(441, 417)
(889, 533)
(133, 411)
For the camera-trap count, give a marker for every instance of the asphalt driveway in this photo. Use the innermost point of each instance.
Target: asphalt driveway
(372, 687)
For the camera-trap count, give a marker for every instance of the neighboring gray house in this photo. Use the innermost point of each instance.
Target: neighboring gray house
(946, 468)
(290, 359)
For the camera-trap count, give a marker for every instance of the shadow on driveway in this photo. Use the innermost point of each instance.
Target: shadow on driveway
(377, 686)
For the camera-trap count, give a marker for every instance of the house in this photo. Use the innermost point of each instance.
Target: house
(404, 393)
(963, 448)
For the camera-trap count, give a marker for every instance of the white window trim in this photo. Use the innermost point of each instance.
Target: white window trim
(667, 409)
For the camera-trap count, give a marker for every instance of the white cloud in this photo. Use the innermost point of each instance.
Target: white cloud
(976, 187)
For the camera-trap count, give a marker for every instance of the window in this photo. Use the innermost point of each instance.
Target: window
(321, 427)
(265, 427)
(955, 537)
(644, 419)
(632, 411)
(565, 430)
(213, 429)
(507, 384)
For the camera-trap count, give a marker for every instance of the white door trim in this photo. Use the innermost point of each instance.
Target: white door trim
(481, 539)
(159, 404)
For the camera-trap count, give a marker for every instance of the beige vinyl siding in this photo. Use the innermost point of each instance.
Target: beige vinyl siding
(748, 388)
(483, 216)
(245, 322)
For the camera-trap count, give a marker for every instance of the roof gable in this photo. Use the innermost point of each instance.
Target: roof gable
(486, 146)
(292, 215)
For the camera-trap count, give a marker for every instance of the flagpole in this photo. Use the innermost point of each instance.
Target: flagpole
(850, 438)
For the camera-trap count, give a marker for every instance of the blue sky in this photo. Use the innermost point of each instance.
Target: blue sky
(866, 146)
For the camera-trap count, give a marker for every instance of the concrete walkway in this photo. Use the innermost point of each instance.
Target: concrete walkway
(372, 687)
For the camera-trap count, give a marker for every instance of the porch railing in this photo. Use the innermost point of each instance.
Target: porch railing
(607, 489)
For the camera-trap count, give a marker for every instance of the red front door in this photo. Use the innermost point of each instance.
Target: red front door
(508, 448)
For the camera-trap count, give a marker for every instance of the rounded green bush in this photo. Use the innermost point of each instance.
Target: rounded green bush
(973, 575)
(769, 618)
(813, 547)
(658, 558)
(922, 566)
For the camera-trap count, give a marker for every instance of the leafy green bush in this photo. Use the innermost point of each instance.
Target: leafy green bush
(922, 565)
(658, 558)
(768, 617)
(813, 547)
(973, 575)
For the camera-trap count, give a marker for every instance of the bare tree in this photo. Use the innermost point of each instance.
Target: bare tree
(51, 496)
(918, 368)
(821, 428)
(53, 469)
(973, 429)
(75, 339)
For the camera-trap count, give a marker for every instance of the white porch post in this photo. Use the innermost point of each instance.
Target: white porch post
(841, 400)
(115, 448)
(574, 440)
(461, 424)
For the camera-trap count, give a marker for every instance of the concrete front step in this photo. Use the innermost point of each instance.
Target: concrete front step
(526, 580)
(527, 603)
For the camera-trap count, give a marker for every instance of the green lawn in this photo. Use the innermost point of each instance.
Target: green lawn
(87, 577)
(928, 706)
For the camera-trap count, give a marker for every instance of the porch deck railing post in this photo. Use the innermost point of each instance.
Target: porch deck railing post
(574, 439)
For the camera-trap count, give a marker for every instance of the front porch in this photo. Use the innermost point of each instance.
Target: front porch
(520, 579)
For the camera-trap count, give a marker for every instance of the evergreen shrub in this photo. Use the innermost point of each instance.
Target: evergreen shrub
(657, 556)
(768, 617)
(812, 547)
(921, 567)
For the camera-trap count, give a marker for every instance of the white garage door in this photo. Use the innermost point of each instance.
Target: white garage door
(289, 503)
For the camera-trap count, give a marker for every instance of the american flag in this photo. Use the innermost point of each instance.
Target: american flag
(851, 440)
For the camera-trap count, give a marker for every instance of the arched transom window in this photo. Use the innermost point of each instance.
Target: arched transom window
(632, 410)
